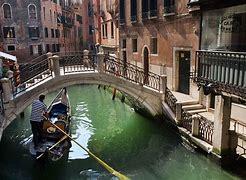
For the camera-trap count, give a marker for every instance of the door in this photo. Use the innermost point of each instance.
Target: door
(184, 72)
(146, 65)
(124, 62)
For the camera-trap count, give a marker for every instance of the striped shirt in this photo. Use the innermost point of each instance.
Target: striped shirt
(38, 109)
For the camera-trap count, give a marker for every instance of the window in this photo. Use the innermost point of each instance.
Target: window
(31, 50)
(145, 9)
(47, 48)
(52, 33)
(55, 17)
(50, 16)
(46, 32)
(122, 11)
(57, 33)
(33, 32)
(8, 32)
(153, 8)
(79, 18)
(90, 30)
(133, 10)
(32, 11)
(135, 45)
(44, 12)
(106, 30)
(90, 10)
(153, 45)
(169, 6)
(224, 29)
(53, 48)
(112, 29)
(57, 47)
(124, 43)
(6, 11)
(40, 50)
(11, 48)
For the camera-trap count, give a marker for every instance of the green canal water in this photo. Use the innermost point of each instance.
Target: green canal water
(132, 144)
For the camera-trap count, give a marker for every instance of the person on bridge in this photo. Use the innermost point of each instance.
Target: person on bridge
(39, 109)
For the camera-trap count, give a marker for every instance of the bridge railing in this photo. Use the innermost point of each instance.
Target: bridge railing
(77, 62)
(171, 100)
(30, 75)
(131, 72)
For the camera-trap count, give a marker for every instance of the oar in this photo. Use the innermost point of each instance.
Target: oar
(58, 142)
(106, 166)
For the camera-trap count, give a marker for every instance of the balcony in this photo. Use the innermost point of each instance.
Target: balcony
(225, 70)
(169, 10)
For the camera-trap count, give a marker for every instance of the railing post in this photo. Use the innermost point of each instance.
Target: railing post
(222, 116)
(163, 84)
(178, 112)
(86, 60)
(7, 89)
(56, 65)
(195, 124)
(100, 62)
(49, 55)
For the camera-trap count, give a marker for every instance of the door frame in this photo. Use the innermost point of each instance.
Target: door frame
(175, 69)
(143, 59)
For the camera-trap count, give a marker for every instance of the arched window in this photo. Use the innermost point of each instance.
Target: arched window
(32, 11)
(7, 10)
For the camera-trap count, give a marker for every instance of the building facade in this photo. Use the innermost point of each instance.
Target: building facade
(21, 28)
(32, 28)
(161, 36)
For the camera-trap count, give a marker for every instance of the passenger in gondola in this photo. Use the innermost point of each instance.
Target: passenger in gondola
(39, 110)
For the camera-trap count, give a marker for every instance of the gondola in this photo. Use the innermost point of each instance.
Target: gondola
(54, 144)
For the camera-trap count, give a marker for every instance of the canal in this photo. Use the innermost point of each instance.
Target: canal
(132, 144)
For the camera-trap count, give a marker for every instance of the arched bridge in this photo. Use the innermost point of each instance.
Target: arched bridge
(62, 70)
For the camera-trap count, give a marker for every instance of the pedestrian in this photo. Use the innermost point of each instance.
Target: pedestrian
(39, 110)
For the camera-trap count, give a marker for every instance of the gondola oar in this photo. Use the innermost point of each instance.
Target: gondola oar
(58, 142)
(105, 165)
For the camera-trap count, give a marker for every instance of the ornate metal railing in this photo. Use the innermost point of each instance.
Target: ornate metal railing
(171, 100)
(131, 72)
(206, 129)
(187, 120)
(30, 75)
(226, 70)
(77, 62)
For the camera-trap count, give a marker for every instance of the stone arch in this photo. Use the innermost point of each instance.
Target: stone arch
(151, 100)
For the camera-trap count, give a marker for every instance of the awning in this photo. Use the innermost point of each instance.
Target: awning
(8, 56)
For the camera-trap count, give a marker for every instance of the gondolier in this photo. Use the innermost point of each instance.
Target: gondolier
(39, 109)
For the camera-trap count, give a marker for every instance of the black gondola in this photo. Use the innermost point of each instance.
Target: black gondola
(55, 144)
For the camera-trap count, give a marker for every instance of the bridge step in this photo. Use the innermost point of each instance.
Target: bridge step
(187, 103)
(197, 111)
(192, 107)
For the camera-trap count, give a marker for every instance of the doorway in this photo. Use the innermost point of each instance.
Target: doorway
(146, 65)
(184, 72)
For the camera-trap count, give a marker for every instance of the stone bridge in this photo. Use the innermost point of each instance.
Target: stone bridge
(63, 70)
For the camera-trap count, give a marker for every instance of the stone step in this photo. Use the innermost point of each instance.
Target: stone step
(192, 107)
(197, 111)
(192, 102)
